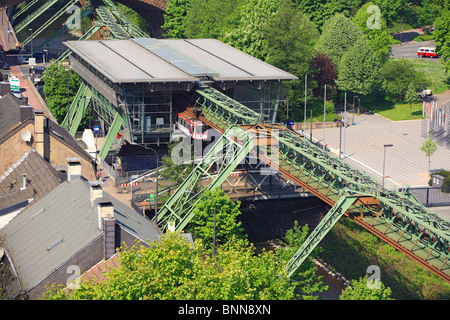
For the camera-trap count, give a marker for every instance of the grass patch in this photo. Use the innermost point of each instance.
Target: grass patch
(397, 27)
(350, 249)
(432, 69)
(395, 112)
(424, 37)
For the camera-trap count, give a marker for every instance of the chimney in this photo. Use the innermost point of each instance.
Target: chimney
(26, 111)
(24, 181)
(73, 169)
(40, 127)
(107, 223)
(96, 193)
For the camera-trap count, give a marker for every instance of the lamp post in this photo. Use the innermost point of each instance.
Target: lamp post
(384, 161)
(31, 43)
(215, 209)
(156, 185)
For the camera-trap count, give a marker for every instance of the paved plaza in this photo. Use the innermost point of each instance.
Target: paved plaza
(363, 144)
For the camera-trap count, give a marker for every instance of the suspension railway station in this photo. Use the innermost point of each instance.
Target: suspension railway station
(140, 88)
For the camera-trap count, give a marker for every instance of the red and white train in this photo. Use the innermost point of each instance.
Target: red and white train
(192, 127)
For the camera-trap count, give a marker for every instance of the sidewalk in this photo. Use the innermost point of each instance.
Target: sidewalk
(9, 42)
(405, 163)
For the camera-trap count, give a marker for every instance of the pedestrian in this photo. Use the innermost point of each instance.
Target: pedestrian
(99, 175)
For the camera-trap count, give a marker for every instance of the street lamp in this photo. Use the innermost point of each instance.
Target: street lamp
(384, 160)
(31, 43)
(157, 174)
(214, 231)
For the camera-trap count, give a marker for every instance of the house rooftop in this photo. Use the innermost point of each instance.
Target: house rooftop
(149, 60)
(51, 231)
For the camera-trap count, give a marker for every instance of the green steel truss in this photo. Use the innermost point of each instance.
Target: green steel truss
(47, 23)
(396, 217)
(33, 16)
(115, 118)
(130, 27)
(223, 111)
(335, 213)
(227, 153)
(24, 8)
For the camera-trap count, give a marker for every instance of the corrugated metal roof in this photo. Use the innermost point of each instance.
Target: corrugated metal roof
(66, 223)
(177, 60)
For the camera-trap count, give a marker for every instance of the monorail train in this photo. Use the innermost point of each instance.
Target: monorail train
(193, 128)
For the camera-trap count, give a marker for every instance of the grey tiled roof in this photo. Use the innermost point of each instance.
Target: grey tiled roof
(9, 113)
(41, 178)
(49, 232)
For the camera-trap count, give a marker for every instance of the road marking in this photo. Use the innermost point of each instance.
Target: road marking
(378, 173)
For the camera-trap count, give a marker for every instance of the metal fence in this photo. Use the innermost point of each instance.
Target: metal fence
(436, 121)
(432, 196)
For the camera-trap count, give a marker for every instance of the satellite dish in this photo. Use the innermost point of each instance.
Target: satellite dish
(26, 136)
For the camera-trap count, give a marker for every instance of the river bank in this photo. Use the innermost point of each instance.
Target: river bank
(266, 222)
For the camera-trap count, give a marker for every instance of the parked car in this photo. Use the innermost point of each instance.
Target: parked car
(4, 65)
(427, 52)
(424, 93)
(17, 94)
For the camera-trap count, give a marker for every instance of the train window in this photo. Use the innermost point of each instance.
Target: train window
(201, 128)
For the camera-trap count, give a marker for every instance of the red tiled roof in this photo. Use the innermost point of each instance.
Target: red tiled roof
(97, 273)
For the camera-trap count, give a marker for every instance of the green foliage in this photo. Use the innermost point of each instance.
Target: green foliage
(359, 69)
(429, 147)
(202, 224)
(211, 18)
(398, 75)
(378, 37)
(247, 34)
(57, 82)
(362, 291)
(350, 249)
(175, 19)
(339, 34)
(442, 38)
(290, 37)
(446, 182)
(411, 97)
(172, 269)
(393, 10)
(134, 17)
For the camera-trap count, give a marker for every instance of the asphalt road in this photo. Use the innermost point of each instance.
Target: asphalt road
(409, 49)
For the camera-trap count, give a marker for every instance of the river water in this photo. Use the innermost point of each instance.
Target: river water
(266, 223)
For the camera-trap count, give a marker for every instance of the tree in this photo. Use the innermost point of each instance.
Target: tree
(171, 269)
(394, 10)
(442, 38)
(359, 70)
(375, 31)
(247, 33)
(397, 76)
(324, 72)
(339, 34)
(411, 96)
(202, 224)
(429, 147)
(212, 18)
(290, 37)
(175, 19)
(58, 81)
(306, 273)
(360, 290)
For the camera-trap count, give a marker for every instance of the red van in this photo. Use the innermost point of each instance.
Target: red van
(426, 52)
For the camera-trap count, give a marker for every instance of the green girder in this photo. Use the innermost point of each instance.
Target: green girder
(112, 132)
(325, 225)
(25, 22)
(47, 23)
(72, 119)
(24, 8)
(228, 153)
